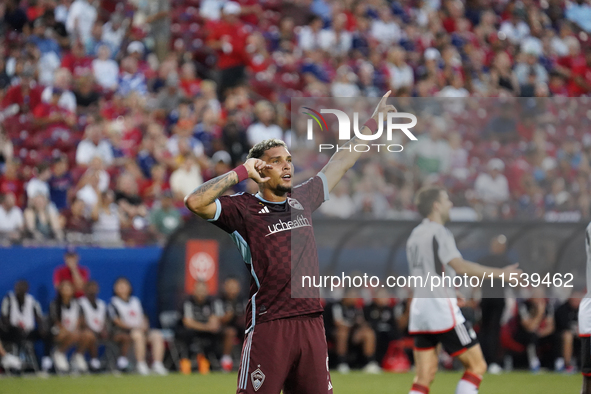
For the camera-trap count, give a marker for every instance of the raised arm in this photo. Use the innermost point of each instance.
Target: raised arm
(202, 200)
(342, 160)
(469, 268)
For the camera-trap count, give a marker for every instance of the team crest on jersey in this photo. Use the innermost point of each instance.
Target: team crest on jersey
(257, 378)
(294, 203)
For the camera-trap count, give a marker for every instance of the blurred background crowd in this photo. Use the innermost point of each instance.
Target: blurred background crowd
(112, 111)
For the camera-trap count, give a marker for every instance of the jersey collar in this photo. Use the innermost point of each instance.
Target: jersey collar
(258, 195)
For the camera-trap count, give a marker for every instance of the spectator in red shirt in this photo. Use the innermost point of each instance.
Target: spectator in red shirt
(582, 74)
(72, 272)
(27, 94)
(50, 116)
(11, 183)
(228, 38)
(77, 61)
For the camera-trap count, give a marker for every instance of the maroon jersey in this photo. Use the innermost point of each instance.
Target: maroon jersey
(273, 238)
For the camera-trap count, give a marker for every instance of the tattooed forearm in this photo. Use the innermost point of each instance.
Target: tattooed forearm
(212, 189)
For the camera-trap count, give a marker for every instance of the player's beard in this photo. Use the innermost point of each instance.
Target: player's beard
(283, 189)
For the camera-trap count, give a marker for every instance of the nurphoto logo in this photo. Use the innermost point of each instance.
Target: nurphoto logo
(345, 129)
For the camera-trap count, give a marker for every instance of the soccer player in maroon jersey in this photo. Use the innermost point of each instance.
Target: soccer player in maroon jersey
(285, 346)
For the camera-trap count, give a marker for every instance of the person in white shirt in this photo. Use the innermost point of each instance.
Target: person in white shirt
(94, 312)
(385, 30)
(186, 178)
(401, 74)
(492, 187)
(94, 145)
(105, 69)
(309, 35)
(114, 31)
(81, 18)
(344, 85)
(264, 129)
(434, 315)
(62, 80)
(340, 204)
(129, 321)
(12, 223)
(66, 328)
(337, 41)
(515, 29)
(38, 184)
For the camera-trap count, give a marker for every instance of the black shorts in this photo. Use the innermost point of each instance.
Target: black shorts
(586, 355)
(455, 341)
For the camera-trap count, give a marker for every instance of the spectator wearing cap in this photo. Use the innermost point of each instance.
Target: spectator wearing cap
(72, 271)
(94, 145)
(265, 128)
(222, 162)
(81, 17)
(492, 188)
(62, 81)
(60, 183)
(228, 38)
(166, 218)
(130, 79)
(12, 222)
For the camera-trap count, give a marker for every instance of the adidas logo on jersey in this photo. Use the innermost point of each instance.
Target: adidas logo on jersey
(265, 210)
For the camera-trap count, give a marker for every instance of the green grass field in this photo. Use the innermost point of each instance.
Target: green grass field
(518, 383)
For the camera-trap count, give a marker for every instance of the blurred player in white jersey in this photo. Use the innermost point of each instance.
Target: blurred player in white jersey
(585, 321)
(434, 315)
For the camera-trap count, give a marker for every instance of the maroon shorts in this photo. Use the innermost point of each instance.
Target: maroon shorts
(286, 354)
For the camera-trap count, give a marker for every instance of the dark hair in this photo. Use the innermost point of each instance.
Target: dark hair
(426, 197)
(259, 149)
(126, 280)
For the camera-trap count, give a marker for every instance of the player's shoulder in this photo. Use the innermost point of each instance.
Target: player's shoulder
(240, 198)
(308, 181)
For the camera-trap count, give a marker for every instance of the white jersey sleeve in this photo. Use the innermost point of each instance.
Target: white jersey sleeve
(585, 307)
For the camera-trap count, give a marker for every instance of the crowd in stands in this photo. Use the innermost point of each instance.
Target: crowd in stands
(84, 332)
(105, 128)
